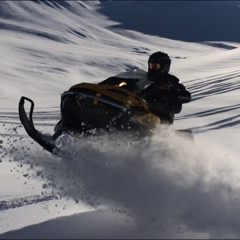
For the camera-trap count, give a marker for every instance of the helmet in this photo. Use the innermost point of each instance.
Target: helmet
(158, 63)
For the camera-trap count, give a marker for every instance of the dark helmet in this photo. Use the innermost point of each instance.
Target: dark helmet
(158, 63)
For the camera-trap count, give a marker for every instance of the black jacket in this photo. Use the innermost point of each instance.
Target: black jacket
(166, 96)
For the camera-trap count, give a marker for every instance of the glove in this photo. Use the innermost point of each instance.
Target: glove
(184, 96)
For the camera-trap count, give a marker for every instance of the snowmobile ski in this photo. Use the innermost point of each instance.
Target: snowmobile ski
(44, 140)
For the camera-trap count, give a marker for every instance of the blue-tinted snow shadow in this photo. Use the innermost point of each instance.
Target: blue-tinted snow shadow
(89, 225)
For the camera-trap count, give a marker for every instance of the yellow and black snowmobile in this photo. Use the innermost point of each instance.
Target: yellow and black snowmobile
(86, 108)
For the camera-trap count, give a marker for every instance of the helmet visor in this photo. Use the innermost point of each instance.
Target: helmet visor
(154, 66)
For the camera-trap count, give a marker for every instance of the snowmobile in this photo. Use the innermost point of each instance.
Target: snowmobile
(113, 105)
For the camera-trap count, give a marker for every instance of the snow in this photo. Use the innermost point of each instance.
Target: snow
(163, 187)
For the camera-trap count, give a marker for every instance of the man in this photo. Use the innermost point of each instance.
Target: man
(162, 91)
(165, 94)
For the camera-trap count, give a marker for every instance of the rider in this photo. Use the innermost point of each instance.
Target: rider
(164, 93)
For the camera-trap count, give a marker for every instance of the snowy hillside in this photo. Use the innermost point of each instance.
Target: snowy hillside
(165, 187)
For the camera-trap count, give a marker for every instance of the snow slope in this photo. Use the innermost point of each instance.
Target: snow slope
(164, 187)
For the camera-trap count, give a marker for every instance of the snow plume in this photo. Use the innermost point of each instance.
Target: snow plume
(164, 186)
(168, 185)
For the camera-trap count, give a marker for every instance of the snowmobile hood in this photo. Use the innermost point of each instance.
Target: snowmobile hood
(113, 92)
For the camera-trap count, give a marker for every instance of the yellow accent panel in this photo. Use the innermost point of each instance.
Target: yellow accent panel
(113, 92)
(149, 120)
(95, 100)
